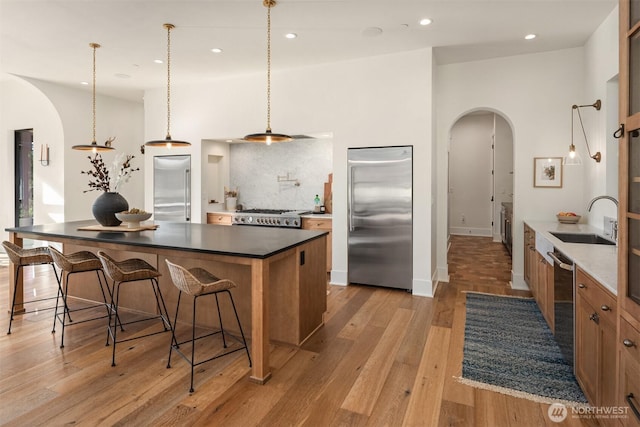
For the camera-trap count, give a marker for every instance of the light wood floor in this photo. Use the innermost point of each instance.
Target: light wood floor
(383, 358)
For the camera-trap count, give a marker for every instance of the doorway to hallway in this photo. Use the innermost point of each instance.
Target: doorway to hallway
(23, 179)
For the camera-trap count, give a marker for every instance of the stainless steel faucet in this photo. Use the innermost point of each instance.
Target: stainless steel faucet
(614, 223)
(613, 199)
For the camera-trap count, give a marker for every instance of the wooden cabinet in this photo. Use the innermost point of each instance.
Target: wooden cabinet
(218, 218)
(529, 256)
(629, 213)
(629, 359)
(324, 224)
(544, 288)
(595, 341)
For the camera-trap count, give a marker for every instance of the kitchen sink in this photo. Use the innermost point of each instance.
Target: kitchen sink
(593, 239)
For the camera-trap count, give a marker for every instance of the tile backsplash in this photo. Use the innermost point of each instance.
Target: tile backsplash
(255, 168)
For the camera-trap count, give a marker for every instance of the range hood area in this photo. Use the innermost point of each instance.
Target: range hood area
(286, 175)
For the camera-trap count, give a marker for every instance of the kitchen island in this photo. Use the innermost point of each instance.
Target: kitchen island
(280, 273)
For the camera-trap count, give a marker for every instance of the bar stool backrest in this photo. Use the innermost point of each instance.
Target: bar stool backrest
(60, 260)
(20, 256)
(183, 279)
(110, 267)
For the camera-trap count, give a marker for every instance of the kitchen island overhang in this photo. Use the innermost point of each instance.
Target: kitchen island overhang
(281, 277)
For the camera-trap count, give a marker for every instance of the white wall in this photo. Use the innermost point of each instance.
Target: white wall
(601, 71)
(378, 101)
(22, 106)
(114, 117)
(534, 93)
(503, 176)
(62, 117)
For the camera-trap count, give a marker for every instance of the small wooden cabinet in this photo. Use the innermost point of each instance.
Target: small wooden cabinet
(595, 341)
(218, 218)
(324, 224)
(629, 359)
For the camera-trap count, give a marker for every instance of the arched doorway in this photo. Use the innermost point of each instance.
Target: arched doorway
(480, 179)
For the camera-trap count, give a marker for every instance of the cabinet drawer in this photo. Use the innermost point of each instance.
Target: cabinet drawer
(630, 336)
(316, 224)
(629, 389)
(593, 292)
(220, 219)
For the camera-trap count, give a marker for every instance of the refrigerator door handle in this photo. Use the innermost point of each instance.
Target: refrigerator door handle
(350, 198)
(187, 194)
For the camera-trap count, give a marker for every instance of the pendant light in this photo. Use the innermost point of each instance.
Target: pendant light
(268, 137)
(168, 141)
(573, 158)
(94, 145)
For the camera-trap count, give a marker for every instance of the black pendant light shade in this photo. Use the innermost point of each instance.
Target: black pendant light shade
(168, 142)
(94, 147)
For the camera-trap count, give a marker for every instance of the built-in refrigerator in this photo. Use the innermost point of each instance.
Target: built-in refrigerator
(380, 216)
(172, 188)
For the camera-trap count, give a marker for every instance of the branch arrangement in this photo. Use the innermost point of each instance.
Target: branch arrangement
(101, 176)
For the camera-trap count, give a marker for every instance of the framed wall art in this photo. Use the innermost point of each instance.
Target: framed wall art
(547, 172)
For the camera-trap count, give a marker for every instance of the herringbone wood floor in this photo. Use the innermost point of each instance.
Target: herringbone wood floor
(383, 358)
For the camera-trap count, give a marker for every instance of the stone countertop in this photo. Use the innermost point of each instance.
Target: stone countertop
(599, 261)
(247, 242)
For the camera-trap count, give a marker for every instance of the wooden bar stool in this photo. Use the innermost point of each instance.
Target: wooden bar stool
(78, 262)
(21, 257)
(198, 282)
(127, 271)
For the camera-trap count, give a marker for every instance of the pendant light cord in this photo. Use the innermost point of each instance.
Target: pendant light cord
(168, 27)
(94, 46)
(268, 65)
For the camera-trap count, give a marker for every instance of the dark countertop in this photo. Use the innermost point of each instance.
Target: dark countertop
(243, 241)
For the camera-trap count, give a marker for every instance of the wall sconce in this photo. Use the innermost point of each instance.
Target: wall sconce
(44, 154)
(573, 158)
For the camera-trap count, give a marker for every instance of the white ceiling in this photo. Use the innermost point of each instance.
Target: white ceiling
(49, 39)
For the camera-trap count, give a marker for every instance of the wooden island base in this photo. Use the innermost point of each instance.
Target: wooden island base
(281, 282)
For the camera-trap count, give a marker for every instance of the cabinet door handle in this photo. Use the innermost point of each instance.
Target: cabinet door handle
(629, 398)
(628, 343)
(595, 318)
(605, 308)
(582, 286)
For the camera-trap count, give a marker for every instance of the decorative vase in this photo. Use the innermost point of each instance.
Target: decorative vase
(106, 206)
(231, 203)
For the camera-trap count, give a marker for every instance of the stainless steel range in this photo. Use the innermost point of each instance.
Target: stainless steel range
(269, 217)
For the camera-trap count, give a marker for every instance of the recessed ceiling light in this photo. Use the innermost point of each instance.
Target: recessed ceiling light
(122, 75)
(530, 37)
(158, 61)
(216, 50)
(425, 21)
(291, 35)
(84, 83)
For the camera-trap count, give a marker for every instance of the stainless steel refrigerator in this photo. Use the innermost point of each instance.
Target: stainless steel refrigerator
(380, 206)
(172, 188)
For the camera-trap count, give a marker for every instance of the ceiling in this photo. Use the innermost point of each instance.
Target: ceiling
(49, 39)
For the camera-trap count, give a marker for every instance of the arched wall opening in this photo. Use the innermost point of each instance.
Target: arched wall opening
(480, 173)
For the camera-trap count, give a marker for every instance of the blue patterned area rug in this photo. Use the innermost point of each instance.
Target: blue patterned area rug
(508, 348)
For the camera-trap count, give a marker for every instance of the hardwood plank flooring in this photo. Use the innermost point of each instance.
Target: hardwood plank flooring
(383, 358)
